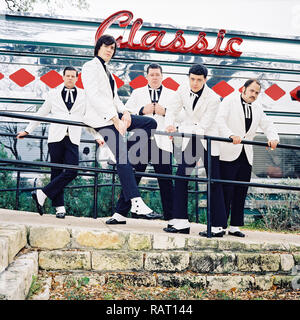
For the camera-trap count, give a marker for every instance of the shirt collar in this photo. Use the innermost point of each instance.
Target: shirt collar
(102, 61)
(244, 102)
(198, 92)
(158, 89)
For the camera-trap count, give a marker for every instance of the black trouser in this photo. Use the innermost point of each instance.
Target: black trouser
(235, 195)
(118, 147)
(62, 152)
(189, 158)
(161, 161)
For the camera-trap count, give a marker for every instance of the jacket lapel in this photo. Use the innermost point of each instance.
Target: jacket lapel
(255, 118)
(59, 98)
(201, 100)
(238, 109)
(103, 74)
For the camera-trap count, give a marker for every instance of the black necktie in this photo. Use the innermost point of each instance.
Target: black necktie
(153, 95)
(248, 115)
(247, 108)
(194, 98)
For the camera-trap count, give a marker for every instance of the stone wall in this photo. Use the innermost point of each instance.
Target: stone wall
(160, 259)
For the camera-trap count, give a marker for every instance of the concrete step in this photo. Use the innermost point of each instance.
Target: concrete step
(13, 238)
(16, 280)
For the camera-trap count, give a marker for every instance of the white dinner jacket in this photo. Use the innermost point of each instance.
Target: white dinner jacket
(231, 120)
(201, 120)
(56, 108)
(101, 106)
(141, 97)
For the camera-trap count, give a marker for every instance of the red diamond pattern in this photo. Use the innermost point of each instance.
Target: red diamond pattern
(21, 77)
(275, 92)
(293, 93)
(170, 84)
(223, 89)
(119, 81)
(52, 79)
(79, 82)
(138, 82)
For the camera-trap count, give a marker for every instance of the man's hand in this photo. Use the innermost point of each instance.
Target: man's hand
(158, 109)
(22, 134)
(126, 118)
(149, 109)
(236, 139)
(171, 129)
(120, 125)
(100, 142)
(272, 144)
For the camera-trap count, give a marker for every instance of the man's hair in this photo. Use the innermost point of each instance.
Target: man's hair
(248, 82)
(107, 40)
(70, 68)
(154, 66)
(198, 69)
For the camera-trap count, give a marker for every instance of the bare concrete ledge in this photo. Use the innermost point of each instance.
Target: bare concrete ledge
(139, 234)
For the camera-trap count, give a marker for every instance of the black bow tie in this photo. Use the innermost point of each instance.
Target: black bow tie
(154, 94)
(247, 110)
(69, 92)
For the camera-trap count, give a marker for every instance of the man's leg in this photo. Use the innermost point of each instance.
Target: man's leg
(55, 189)
(238, 203)
(162, 163)
(179, 222)
(228, 170)
(122, 206)
(141, 126)
(56, 151)
(118, 147)
(218, 211)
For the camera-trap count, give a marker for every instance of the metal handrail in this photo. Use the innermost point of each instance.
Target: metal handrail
(207, 180)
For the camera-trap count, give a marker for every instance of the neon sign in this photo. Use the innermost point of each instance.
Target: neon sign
(153, 39)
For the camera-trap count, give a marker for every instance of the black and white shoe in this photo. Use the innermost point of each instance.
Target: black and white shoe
(213, 234)
(39, 207)
(114, 221)
(149, 216)
(172, 229)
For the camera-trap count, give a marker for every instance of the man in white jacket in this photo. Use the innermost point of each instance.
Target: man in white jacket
(66, 102)
(152, 101)
(239, 117)
(198, 106)
(107, 114)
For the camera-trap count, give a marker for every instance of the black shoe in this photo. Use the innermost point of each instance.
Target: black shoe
(114, 221)
(60, 215)
(40, 208)
(174, 230)
(149, 216)
(213, 234)
(237, 234)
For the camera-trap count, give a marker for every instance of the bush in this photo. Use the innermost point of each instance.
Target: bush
(282, 212)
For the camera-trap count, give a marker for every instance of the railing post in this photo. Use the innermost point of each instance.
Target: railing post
(18, 191)
(95, 215)
(197, 197)
(208, 187)
(113, 191)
